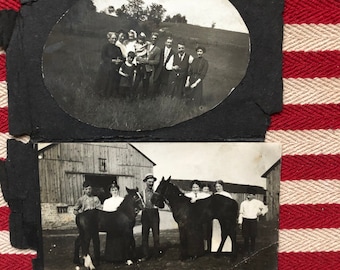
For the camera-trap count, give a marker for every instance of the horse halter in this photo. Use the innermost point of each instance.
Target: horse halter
(140, 199)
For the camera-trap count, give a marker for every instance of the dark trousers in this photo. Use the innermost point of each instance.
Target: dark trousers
(150, 220)
(249, 232)
(145, 78)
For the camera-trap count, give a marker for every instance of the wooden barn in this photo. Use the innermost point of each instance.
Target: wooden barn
(64, 167)
(273, 190)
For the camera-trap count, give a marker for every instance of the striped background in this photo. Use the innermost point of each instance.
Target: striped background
(308, 128)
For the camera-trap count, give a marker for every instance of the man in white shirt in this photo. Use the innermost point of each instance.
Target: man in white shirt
(250, 210)
(178, 64)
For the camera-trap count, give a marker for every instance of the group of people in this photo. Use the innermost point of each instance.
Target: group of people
(128, 60)
(150, 216)
(249, 211)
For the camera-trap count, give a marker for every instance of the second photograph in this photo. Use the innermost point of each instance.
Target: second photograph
(159, 205)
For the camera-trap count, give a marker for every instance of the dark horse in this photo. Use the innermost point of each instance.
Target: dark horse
(190, 218)
(119, 223)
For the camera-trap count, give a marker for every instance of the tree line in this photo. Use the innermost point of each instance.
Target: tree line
(136, 10)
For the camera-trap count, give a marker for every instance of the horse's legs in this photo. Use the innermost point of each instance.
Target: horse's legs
(85, 239)
(232, 234)
(224, 235)
(130, 248)
(183, 243)
(76, 250)
(96, 247)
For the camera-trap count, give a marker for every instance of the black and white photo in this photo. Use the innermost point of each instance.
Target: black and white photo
(159, 205)
(142, 65)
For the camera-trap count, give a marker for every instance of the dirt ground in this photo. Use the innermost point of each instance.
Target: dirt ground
(58, 252)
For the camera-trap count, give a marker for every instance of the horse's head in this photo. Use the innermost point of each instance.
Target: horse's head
(137, 200)
(159, 196)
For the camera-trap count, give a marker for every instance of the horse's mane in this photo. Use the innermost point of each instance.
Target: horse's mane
(125, 203)
(178, 191)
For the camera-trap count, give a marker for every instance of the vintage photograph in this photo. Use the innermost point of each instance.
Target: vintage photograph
(159, 205)
(136, 65)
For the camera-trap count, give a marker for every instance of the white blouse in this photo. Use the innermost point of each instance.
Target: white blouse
(111, 204)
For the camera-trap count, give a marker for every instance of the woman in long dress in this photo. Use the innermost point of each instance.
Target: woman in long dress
(196, 244)
(196, 74)
(107, 81)
(216, 231)
(113, 248)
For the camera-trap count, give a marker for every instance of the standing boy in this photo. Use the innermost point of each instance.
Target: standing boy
(85, 203)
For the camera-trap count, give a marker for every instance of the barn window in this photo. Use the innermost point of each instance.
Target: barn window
(102, 164)
(61, 209)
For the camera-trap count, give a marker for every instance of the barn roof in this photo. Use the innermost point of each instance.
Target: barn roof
(271, 168)
(154, 164)
(48, 146)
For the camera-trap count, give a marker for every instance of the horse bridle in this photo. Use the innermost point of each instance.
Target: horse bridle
(163, 196)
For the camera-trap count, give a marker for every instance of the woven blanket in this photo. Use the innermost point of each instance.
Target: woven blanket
(308, 128)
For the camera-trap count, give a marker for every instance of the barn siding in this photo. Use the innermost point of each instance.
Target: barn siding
(63, 168)
(273, 193)
(83, 158)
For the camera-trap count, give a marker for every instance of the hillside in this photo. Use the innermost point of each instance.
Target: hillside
(73, 52)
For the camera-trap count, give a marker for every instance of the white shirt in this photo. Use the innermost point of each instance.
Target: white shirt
(111, 204)
(197, 196)
(166, 53)
(252, 209)
(170, 63)
(130, 46)
(122, 48)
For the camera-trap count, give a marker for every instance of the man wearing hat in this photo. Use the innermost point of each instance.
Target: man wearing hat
(250, 210)
(150, 219)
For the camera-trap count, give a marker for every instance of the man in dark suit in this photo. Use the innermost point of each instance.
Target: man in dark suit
(151, 62)
(161, 74)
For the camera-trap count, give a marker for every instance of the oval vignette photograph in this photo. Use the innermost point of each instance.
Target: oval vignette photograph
(135, 65)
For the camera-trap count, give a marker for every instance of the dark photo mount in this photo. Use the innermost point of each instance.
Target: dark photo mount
(243, 116)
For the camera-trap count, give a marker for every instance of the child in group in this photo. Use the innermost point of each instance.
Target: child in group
(141, 57)
(127, 71)
(88, 201)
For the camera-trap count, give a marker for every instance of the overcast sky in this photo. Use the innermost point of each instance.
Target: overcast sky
(197, 12)
(242, 163)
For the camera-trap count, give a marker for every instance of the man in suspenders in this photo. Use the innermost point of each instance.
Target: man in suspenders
(150, 220)
(178, 64)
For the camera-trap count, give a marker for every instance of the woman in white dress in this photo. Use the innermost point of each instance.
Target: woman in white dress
(195, 193)
(219, 189)
(111, 204)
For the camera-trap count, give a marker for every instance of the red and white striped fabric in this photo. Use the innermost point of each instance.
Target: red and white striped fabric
(308, 128)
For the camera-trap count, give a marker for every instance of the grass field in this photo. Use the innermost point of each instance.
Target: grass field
(72, 56)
